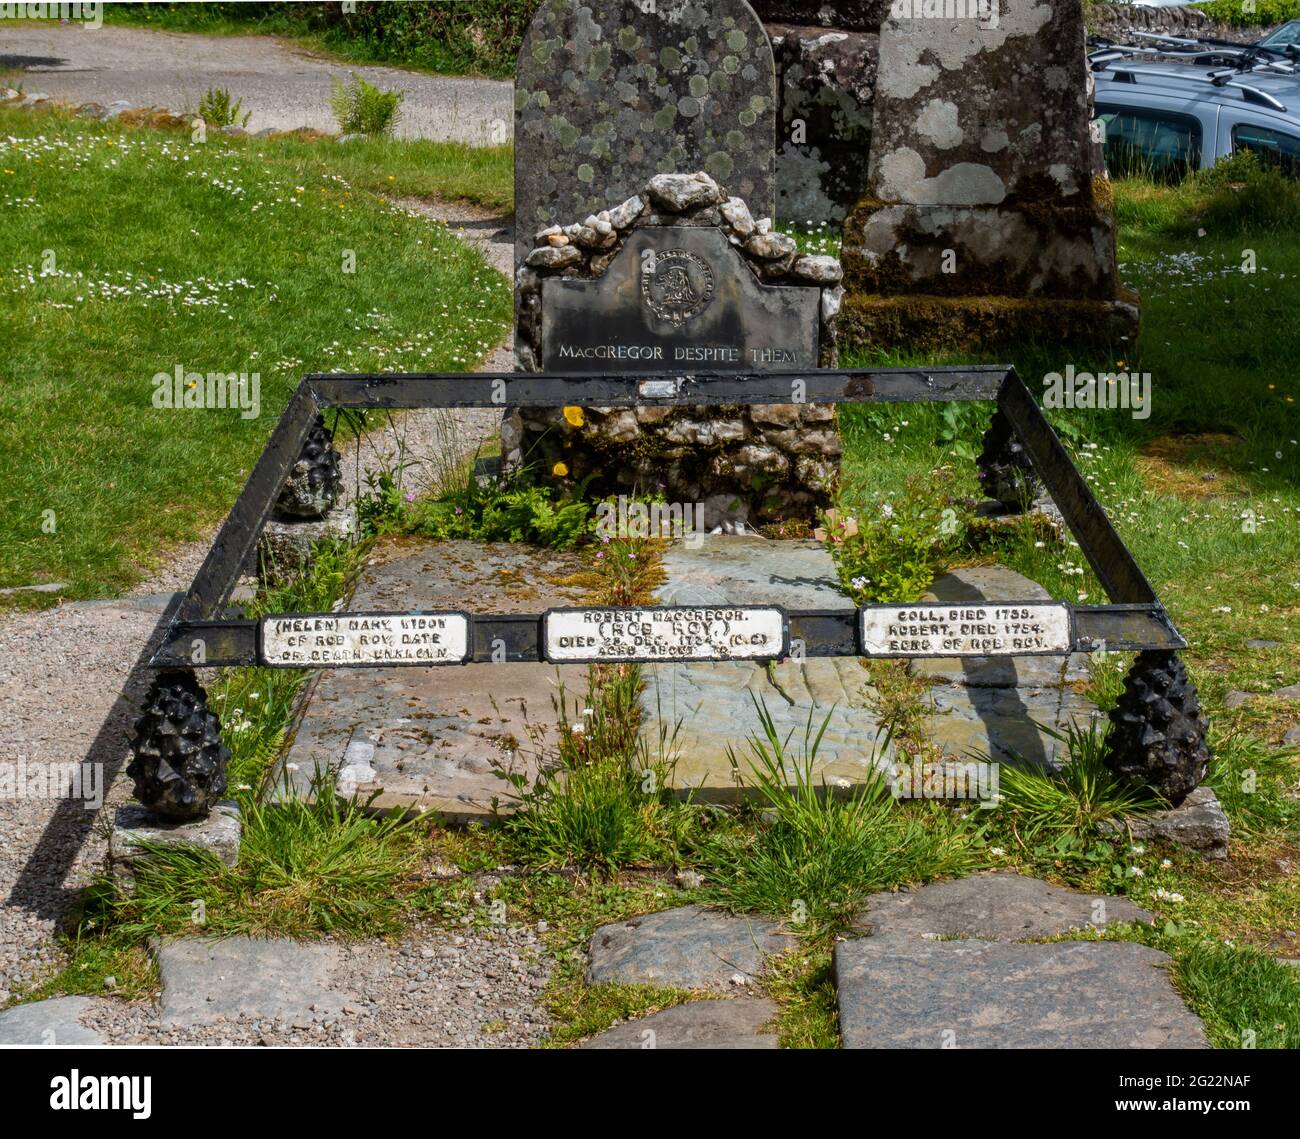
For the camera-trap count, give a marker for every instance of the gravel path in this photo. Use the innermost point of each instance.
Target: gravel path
(281, 85)
(434, 988)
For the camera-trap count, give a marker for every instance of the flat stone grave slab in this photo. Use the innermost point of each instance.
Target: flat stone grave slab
(55, 1023)
(428, 738)
(697, 1024)
(998, 906)
(910, 993)
(699, 711)
(996, 704)
(207, 981)
(689, 947)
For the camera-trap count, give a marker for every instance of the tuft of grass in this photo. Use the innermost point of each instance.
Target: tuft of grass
(362, 108)
(305, 869)
(602, 801)
(1074, 800)
(814, 855)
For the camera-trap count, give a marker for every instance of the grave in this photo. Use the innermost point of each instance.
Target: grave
(449, 659)
(984, 219)
(680, 277)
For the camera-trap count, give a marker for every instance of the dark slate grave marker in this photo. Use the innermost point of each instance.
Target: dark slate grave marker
(607, 97)
(677, 298)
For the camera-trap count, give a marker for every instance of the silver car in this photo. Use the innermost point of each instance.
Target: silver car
(1166, 119)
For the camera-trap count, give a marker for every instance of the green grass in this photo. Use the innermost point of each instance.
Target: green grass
(130, 251)
(814, 855)
(476, 37)
(1074, 801)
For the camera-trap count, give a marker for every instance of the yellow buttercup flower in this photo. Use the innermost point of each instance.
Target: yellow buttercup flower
(573, 416)
(560, 470)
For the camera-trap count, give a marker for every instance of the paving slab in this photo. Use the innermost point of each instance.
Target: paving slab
(434, 738)
(906, 993)
(689, 947)
(206, 982)
(998, 906)
(55, 1023)
(697, 1024)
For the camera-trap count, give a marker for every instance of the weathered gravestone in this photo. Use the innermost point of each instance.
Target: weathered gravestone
(608, 95)
(984, 218)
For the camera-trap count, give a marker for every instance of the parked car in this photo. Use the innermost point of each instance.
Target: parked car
(1167, 119)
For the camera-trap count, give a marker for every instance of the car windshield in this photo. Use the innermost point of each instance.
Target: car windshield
(1288, 33)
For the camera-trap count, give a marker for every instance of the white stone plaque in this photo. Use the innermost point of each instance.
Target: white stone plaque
(688, 632)
(971, 628)
(327, 640)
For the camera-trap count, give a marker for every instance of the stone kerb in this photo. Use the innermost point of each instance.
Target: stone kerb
(751, 464)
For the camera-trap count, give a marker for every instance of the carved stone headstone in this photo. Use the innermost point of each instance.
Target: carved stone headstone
(608, 95)
(677, 298)
(983, 219)
(826, 81)
(680, 279)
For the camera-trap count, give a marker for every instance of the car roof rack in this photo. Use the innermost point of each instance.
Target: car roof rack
(1224, 78)
(1246, 58)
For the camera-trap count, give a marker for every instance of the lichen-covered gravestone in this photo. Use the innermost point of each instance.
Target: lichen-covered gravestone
(984, 218)
(608, 95)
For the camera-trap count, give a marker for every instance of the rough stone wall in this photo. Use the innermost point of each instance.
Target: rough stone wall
(745, 464)
(1114, 20)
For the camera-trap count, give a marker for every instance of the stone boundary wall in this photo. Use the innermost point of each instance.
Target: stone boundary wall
(745, 464)
(1114, 20)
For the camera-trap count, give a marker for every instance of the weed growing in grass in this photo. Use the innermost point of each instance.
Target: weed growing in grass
(217, 110)
(362, 108)
(504, 510)
(894, 552)
(815, 854)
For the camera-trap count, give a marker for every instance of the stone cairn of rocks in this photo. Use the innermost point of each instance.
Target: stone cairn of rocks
(751, 465)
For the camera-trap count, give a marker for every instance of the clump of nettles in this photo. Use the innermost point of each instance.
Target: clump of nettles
(217, 110)
(362, 108)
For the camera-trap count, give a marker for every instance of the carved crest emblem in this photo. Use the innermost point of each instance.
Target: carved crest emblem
(676, 285)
